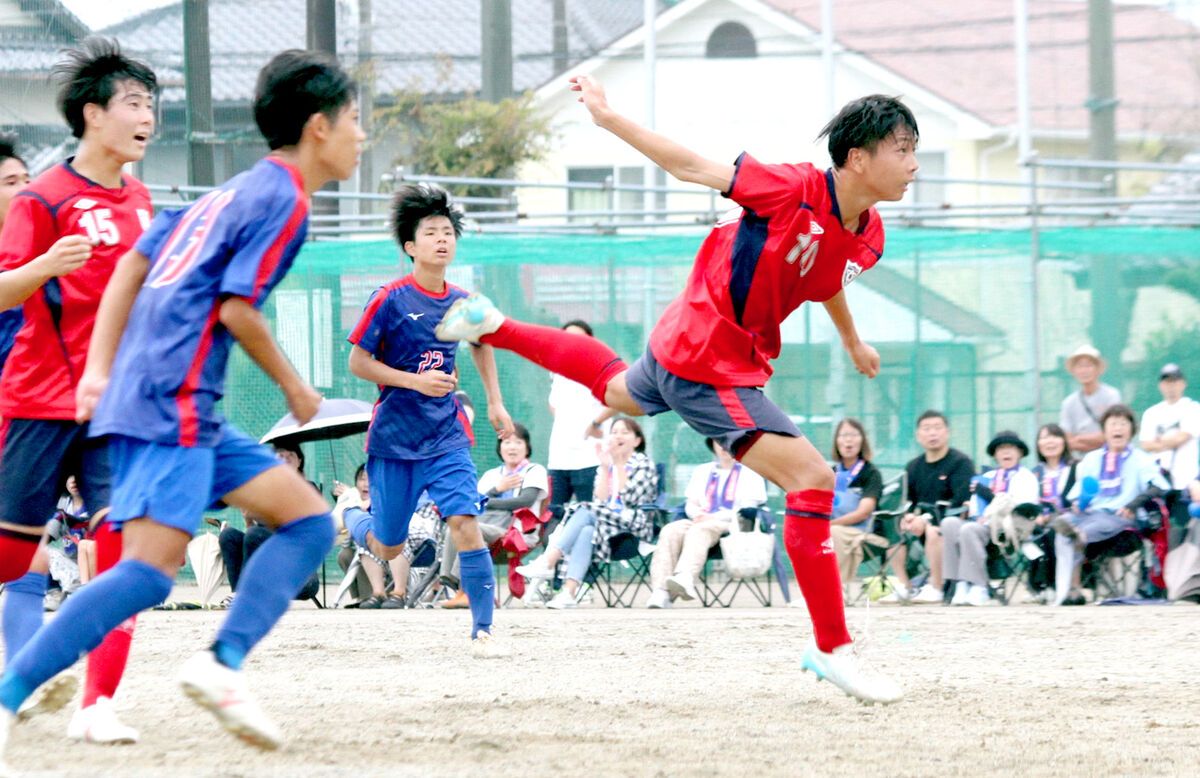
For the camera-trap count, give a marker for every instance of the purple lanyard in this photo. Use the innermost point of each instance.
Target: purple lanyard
(722, 499)
(519, 470)
(1110, 470)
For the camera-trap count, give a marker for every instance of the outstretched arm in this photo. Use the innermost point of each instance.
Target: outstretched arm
(111, 318)
(485, 362)
(683, 163)
(866, 358)
(249, 328)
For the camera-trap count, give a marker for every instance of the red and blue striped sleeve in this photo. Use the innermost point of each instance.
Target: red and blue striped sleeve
(268, 226)
(771, 189)
(368, 333)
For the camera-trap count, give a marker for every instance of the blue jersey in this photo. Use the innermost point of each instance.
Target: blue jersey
(238, 240)
(397, 329)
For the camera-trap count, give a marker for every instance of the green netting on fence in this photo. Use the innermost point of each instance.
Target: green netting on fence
(948, 310)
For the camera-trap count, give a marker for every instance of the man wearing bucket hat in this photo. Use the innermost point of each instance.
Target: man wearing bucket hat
(964, 559)
(1081, 410)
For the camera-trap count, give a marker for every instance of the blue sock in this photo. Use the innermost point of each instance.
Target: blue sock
(23, 608)
(357, 523)
(82, 622)
(479, 582)
(270, 582)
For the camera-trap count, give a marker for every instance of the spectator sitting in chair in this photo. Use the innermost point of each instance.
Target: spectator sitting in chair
(858, 485)
(941, 475)
(625, 480)
(716, 494)
(1056, 475)
(237, 545)
(515, 484)
(1008, 488)
(1125, 478)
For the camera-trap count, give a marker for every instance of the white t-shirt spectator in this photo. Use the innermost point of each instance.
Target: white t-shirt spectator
(1182, 463)
(535, 477)
(724, 493)
(574, 411)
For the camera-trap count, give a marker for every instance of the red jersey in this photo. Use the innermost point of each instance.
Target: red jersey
(787, 246)
(48, 355)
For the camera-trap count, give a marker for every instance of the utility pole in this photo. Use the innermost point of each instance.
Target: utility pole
(321, 35)
(366, 98)
(560, 44)
(197, 81)
(1109, 316)
(496, 65)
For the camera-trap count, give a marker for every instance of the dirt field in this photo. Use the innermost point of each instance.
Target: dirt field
(1021, 690)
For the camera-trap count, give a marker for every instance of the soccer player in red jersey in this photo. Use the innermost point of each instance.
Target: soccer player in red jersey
(59, 245)
(802, 234)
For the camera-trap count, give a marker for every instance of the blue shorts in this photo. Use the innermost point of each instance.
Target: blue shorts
(174, 485)
(36, 456)
(396, 485)
(734, 416)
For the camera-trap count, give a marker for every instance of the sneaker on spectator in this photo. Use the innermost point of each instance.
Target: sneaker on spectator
(458, 601)
(978, 595)
(1048, 596)
(562, 600)
(928, 594)
(98, 723)
(469, 318)
(484, 646)
(222, 691)
(374, 602)
(537, 569)
(659, 598)
(899, 593)
(393, 602)
(682, 585)
(53, 600)
(848, 671)
(49, 697)
(961, 589)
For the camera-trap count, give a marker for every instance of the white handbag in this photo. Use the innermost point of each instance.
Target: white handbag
(747, 554)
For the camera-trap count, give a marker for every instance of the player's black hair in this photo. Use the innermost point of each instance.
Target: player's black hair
(581, 324)
(932, 414)
(864, 122)
(523, 434)
(90, 74)
(414, 202)
(292, 87)
(8, 148)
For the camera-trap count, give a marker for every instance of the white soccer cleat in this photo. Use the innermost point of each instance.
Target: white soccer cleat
(848, 671)
(98, 723)
(469, 319)
(484, 646)
(223, 691)
(682, 585)
(51, 696)
(535, 570)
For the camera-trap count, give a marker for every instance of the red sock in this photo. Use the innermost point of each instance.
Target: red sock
(16, 552)
(106, 663)
(581, 358)
(809, 546)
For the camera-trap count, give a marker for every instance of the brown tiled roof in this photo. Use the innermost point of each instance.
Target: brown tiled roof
(962, 50)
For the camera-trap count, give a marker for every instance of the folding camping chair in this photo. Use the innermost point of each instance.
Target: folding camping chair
(880, 544)
(722, 590)
(621, 579)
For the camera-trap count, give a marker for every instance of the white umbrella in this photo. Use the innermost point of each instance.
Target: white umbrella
(336, 418)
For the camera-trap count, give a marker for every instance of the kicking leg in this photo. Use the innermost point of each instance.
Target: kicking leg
(579, 357)
(793, 464)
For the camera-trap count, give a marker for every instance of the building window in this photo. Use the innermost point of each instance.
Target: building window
(731, 40)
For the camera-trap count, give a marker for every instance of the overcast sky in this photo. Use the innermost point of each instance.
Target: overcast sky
(98, 14)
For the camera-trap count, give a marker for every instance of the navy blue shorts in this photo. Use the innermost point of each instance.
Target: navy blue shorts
(731, 415)
(397, 484)
(174, 485)
(36, 456)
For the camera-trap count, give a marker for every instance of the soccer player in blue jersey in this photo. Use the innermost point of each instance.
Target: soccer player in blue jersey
(194, 284)
(419, 437)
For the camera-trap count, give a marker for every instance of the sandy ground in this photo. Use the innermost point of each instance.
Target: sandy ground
(1022, 690)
